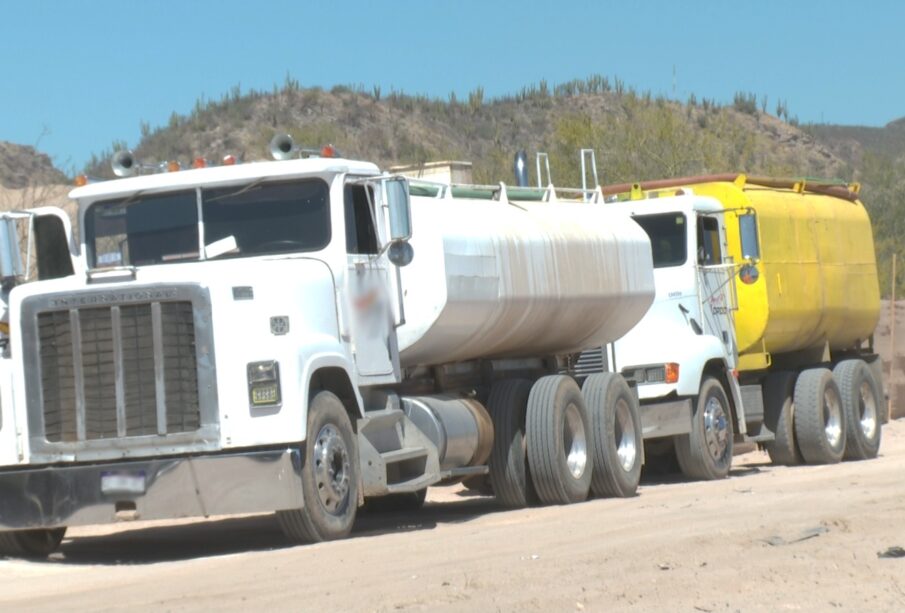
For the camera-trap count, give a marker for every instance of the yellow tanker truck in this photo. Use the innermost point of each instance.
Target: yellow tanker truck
(806, 304)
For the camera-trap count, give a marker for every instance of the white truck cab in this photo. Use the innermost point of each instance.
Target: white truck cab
(682, 355)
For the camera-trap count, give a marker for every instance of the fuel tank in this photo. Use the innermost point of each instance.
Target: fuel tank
(496, 279)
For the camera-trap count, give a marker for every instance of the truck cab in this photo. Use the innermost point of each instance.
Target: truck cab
(683, 354)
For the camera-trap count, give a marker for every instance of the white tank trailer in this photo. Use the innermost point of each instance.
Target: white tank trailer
(492, 279)
(351, 343)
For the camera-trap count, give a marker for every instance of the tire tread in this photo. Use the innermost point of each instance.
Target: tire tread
(809, 427)
(509, 476)
(601, 392)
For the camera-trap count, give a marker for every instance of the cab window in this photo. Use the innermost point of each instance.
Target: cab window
(360, 233)
(709, 252)
(668, 241)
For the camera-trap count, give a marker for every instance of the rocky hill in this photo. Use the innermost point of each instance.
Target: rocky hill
(22, 166)
(852, 142)
(636, 136)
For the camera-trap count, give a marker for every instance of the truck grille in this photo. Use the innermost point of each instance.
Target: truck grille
(118, 371)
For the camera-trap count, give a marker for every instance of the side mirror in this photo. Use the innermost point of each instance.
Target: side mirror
(11, 268)
(396, 192)
(747, 230)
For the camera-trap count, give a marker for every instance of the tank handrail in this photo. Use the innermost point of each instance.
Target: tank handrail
(846, 192)
(439, 189)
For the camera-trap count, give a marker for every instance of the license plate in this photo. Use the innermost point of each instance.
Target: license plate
(123, 483)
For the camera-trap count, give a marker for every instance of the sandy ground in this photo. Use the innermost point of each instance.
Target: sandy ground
(767, 539)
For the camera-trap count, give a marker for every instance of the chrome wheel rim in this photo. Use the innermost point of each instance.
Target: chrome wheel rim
(716, 428)
(331, 468)
(868, 410)
(574, 442)
(832, 417)
(626, 450)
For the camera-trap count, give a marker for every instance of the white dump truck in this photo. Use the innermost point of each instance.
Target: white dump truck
(296, 336)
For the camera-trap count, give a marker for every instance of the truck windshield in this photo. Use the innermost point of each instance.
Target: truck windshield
(239, 221)
(668, 237)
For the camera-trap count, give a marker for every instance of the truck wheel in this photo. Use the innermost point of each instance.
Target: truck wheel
(31, 543)
(508, 461)
(615, 435)
(779, 410)
(706, 452)
(819, 417)
(330, 476)
(861, 396)
(557, 428)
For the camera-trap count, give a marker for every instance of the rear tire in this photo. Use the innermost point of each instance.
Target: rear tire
(861, 396)
(779, 413)
(616, 445)
(706, 452)
(819, 417)
(557, 428)
(31, 543)
(509, 477)
(330, 476)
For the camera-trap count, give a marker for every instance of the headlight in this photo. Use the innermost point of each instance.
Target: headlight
(660, 373)
(264, 383)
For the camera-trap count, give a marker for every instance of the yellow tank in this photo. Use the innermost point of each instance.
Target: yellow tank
(816, 282)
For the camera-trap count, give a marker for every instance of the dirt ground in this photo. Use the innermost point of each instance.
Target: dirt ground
(766, 539)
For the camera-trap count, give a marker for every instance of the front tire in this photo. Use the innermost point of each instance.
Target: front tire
(861, 396)
(819, 417)
(330, 476)
(616, 445)
(557, 427)
(705, 453)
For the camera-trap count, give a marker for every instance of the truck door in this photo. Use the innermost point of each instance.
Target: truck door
(368, 305)
(715, 280)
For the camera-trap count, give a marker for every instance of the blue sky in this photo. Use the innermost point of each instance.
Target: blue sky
(76, 75)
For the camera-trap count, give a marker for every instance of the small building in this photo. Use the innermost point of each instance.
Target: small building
(448, 172)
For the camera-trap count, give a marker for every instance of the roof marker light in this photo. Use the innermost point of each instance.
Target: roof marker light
(173, 166)
(81, 180)
(199, 163)
(229, 159)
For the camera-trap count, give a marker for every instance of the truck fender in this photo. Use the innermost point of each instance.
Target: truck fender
(332, 372)
(708, 356)
(695, 354)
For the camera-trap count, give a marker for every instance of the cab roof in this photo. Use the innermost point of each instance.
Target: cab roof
(221, 175)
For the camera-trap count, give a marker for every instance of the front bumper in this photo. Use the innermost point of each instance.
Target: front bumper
(167, 488)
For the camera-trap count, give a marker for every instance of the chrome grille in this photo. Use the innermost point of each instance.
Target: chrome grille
(118, 371)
